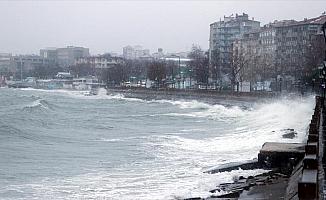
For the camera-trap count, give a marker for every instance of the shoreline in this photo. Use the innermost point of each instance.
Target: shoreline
(207, 96)
(260, 186)
(270, 185)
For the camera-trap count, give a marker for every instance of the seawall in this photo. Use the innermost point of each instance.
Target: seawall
(208, 96)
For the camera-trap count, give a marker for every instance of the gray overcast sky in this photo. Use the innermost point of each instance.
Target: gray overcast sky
(104, 26)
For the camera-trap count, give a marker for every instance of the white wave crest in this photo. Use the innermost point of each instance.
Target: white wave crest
(176, 172)
(194, 104)
(39, 103)
(129, 185)
(102, 94)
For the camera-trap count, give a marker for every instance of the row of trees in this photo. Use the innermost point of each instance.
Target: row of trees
(247, 64)
(300, 63)
(160, 71)
(45, 71)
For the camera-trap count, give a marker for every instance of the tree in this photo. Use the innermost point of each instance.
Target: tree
(215, 65)
(171, 68)
(116, 74)
(156, 72)
(44, 71)
(199, 63)
(240, 61)
(136, 68)
(313, 56)
(82, 69)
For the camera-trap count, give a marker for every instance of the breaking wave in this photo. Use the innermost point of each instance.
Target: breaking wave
(158, 149)
(85, 95)
(194, 104)
(39, 104)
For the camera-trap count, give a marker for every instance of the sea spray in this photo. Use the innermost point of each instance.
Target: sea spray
(110, 146)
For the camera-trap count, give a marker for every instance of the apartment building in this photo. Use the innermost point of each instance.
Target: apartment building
(222, 35)
(66, 56)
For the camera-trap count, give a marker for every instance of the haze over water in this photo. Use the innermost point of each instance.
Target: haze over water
(64, 145)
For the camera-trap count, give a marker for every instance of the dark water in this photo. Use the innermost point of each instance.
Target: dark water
(64, 145)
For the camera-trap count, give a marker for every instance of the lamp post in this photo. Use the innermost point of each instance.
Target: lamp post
(190, 76)
(179, 73)
(179, 77)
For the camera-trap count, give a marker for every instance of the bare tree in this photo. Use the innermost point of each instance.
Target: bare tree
(199, 64)
(45, 71)
(116, 74)
(171, 68)
(215, 65)
(156, 72)
(313, 56)
(82, 69)
(240, 61)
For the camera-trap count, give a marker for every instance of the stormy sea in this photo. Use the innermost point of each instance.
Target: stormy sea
(57, 144)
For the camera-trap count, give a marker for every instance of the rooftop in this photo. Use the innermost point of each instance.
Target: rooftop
(317, 20)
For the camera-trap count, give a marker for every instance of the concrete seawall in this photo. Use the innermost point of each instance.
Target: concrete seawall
(209, 96)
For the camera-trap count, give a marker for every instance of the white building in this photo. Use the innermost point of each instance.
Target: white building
(64, 56)
(100, 61)
(222, 35)
(159, 54)
(5, 64)
(135, 52)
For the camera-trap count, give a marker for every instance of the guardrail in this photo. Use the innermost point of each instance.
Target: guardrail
(308, 186)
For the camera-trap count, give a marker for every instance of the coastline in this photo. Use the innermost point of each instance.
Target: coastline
(270, 185)
(261, 186)
(206, 96)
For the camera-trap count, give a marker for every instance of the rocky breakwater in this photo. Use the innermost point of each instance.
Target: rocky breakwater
(294, 169)
(278, 158)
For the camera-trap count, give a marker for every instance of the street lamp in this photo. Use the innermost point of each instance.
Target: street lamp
(179, 73)
(190, 76)
(179, 77)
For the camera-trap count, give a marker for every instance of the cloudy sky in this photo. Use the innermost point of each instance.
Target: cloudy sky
(107, 26)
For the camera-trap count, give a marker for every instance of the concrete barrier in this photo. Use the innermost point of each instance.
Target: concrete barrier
(310, 161)
(308, 184)
(313, 138)
(311, 148)
(307, 188)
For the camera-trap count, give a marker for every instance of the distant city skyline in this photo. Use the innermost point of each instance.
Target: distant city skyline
(108, 26)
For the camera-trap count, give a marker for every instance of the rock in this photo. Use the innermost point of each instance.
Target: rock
(215, 190)
(289, 133)
(235, 178)
(229, 195)
(246, 165)
(274, 155)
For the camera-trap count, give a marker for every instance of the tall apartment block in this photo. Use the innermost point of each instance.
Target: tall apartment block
(222, 35)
